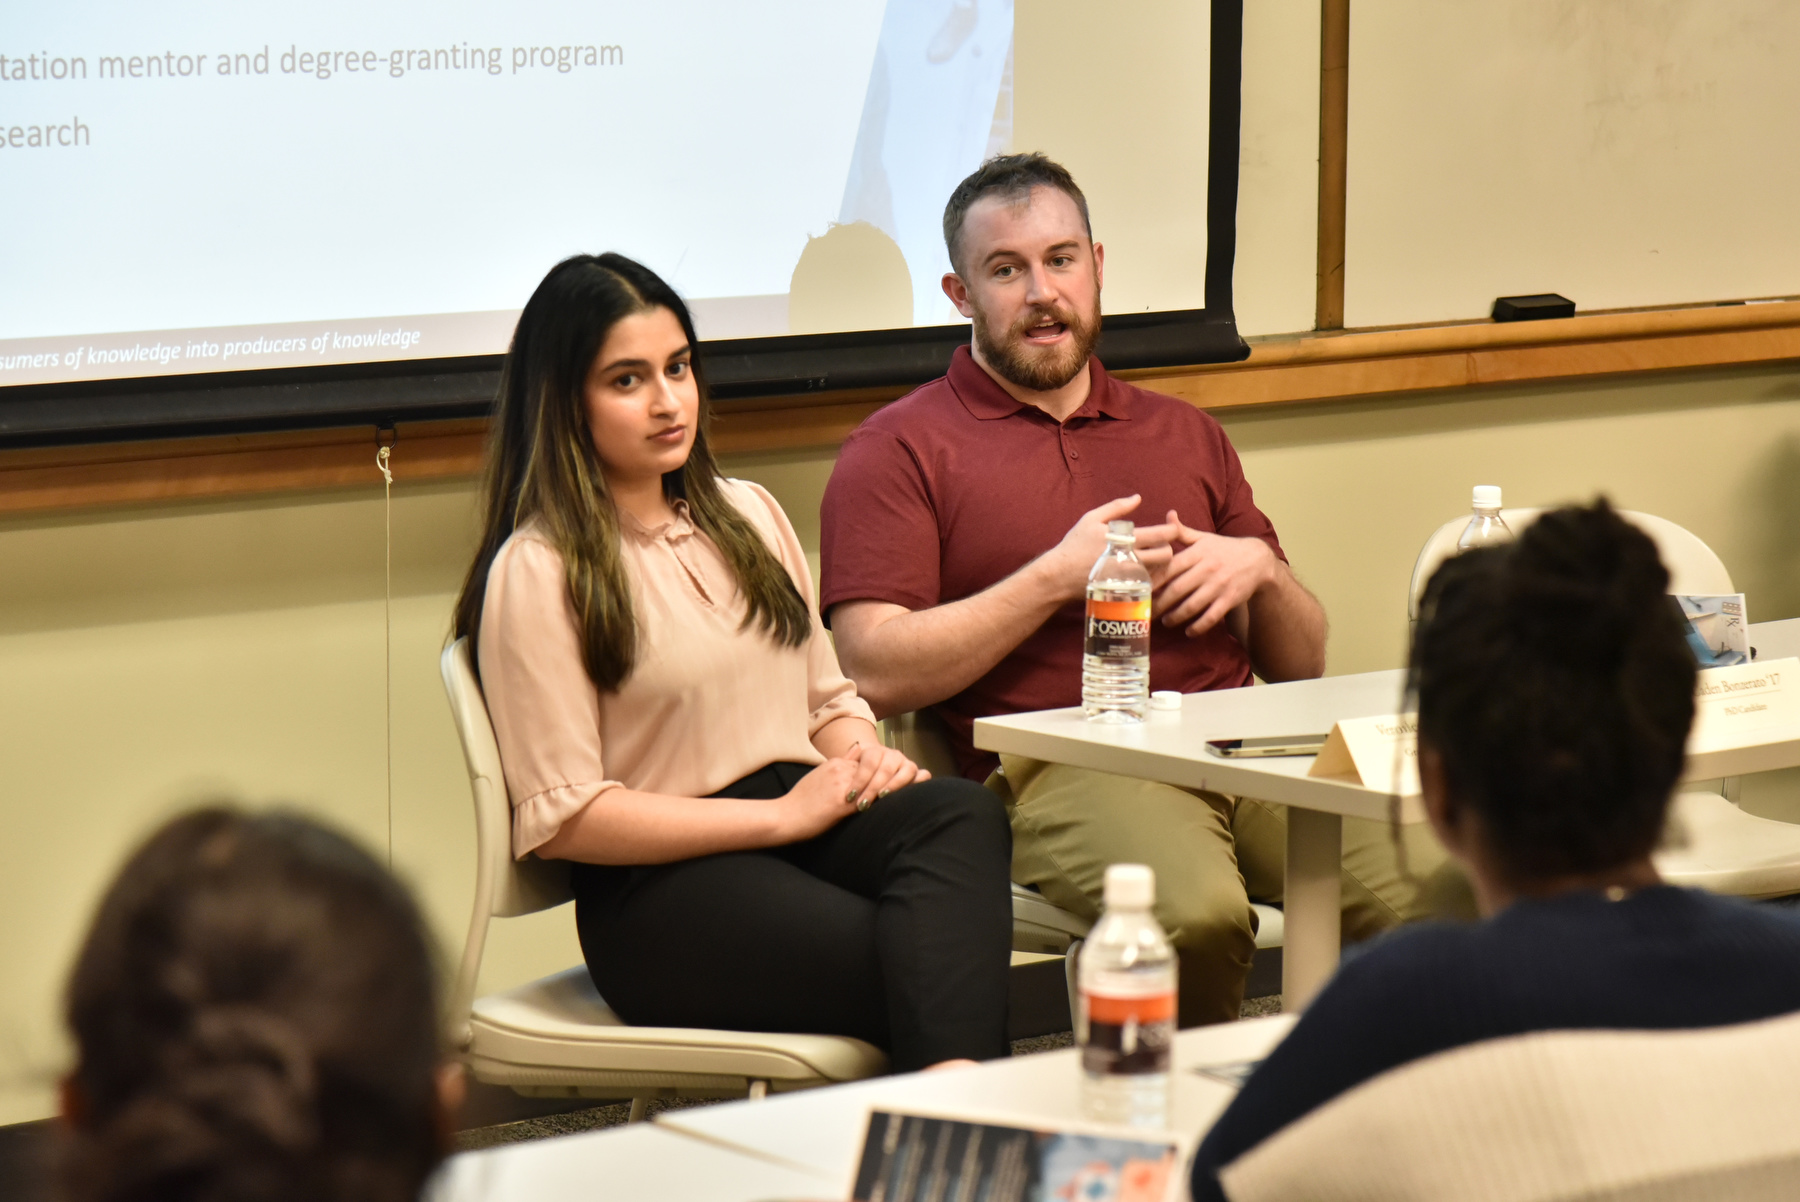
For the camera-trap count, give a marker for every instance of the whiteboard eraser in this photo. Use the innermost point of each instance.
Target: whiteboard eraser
(1533, 308)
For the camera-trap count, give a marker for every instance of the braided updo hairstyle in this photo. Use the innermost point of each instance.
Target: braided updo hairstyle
(1553, 678)
(256, 1021)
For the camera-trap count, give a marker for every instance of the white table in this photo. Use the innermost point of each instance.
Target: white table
(1170, 747)
(642, 1161)
(805, 1145)
(821, 1130)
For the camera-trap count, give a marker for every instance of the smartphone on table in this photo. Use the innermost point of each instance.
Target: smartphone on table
(1273, 745)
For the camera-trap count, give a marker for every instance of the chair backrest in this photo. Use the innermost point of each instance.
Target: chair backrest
(504, 887)
(1551, 1117)
(921, 737)
(1693, 567)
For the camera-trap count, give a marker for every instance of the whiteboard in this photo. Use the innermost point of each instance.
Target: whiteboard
(1624, 153)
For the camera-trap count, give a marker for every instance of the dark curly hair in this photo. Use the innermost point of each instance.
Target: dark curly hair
(1553, 679)
(255, 1013)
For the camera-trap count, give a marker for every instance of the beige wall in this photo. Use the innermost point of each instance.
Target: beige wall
(155, 656)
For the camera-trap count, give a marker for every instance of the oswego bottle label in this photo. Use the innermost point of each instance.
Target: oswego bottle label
(1134, 1034)
(1118, 629)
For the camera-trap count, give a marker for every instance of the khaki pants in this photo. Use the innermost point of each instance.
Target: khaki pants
(1212, 855)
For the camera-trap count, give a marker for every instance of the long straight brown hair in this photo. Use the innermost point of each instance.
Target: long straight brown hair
(542, 467)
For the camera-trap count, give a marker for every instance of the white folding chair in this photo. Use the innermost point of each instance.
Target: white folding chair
(556, 1037)
(1709, 842)
(1693, 567)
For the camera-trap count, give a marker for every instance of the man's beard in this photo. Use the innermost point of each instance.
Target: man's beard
(1039, 370)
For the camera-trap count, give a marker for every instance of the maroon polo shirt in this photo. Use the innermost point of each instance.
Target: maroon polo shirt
(957, 486)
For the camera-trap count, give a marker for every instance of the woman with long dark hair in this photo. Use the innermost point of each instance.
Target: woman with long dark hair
(1555, 690)
(672, 719)
(255, 1020)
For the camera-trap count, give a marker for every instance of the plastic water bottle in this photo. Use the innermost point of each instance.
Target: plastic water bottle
(1126, 1028)
(1485, 529)
(1115, 665)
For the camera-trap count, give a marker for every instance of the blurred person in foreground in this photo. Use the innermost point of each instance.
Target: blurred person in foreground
(1555, 689)
(255, 1020)
(958, 531)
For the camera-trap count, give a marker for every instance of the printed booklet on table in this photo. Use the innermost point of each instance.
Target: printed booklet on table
(1717, 633)
(915, 1157)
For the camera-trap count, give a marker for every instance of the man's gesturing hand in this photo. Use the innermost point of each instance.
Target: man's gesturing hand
(1208, 576)
(1068, 563)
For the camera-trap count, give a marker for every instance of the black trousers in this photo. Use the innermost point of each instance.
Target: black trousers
(893, 926)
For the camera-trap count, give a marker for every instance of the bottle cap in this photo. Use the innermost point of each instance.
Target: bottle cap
(1487, 496)
(1165, 699)
(1130, 886)
(1121, 531)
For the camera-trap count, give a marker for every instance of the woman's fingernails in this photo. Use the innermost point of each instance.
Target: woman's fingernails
(884, 793)
(850, 797)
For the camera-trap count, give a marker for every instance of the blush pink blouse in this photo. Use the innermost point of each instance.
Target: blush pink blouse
(708, 703)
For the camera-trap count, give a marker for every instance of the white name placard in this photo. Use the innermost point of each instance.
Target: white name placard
(1745, 704)
(1381, 753)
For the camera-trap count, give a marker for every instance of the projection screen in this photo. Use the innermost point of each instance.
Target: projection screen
(242, 187)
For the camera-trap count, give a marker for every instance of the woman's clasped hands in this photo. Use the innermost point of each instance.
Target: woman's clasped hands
(849, 784)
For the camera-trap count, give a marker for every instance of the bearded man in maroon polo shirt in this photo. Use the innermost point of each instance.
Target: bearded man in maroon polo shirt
(959, 527)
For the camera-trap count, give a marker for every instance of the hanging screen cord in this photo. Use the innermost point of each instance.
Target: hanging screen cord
(383, 453)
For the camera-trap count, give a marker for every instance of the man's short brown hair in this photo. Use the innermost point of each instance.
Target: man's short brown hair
(1012, 176)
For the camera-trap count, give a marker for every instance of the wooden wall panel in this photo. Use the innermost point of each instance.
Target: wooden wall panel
(1292, 370)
